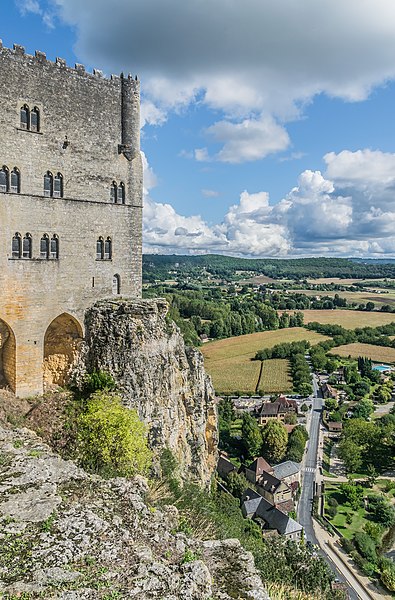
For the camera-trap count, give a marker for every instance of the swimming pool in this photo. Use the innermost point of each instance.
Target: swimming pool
(381, 368)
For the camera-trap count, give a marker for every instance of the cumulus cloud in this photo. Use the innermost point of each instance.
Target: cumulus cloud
(351, 213)
(252, 60)
(251, 139)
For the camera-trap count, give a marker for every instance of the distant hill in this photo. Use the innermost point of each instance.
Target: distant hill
(161, 267)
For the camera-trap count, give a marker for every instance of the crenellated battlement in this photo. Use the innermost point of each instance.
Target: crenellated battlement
(60, 63)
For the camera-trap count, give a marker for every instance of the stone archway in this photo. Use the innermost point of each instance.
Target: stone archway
(7, 356)
(62, 343)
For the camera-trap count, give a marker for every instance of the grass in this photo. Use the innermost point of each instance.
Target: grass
(350, 319)
(229, 361)
(275, 376)
(343, 510)
(375, 353)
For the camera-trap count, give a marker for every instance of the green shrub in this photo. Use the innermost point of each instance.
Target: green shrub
(366, 546)
(97, 381)
(110, 438)
(331, 511)
(332, 501)
(347, 545)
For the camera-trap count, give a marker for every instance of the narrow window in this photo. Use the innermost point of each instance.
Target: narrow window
(58, 186)
(35, 119)
(113, 192)
(25, 117)
(15, 181)
(44, 247)
(4, 180)
(100, 249)
(16, 246)
(27, 246)
(54, 248)
(48, 184)
(108, 249)
(116, 285)
(121, 193)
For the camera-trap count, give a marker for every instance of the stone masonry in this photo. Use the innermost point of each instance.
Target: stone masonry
(88, 131)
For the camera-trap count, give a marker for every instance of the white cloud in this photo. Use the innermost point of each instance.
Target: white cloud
(29, 6)
(320, 215)
(253, 60)
(201, 154)
(251, 139)
(210, 193)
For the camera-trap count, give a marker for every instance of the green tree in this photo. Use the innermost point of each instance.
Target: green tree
(353, 494)
(365, 546)
(236, 484)
(364, 409)
(275, 440)
(351, 455)
(111, 439)
(251, 437)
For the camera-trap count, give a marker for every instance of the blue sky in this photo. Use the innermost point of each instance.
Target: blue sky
(267, 127)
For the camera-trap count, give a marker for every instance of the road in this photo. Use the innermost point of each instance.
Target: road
(307, 493)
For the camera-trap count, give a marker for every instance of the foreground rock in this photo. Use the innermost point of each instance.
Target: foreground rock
(159, 376)
(66, 534)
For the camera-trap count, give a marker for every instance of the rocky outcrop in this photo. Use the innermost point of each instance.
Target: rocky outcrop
(159, 376)
(68, 535)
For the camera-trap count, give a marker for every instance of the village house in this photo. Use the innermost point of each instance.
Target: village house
(288, 472)
(329, 392)
(255, 507)
(276, 410)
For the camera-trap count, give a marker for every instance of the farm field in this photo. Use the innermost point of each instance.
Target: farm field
(340, 281)
(234, 374)
(248, 345)
(350, 319)
(386, 297)
(375, 353)
(229, 361)
(275, 376)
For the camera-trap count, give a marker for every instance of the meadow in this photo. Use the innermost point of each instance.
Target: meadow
(229, 363)
(379, 298)
(350, 319)
(375, 353)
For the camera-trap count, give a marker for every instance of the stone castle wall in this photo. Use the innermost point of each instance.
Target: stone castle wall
(89, 132)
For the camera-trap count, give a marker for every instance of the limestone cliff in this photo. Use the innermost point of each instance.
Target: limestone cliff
(68, 535)
(159, 376)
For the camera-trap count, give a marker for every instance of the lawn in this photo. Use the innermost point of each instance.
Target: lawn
(229, 361)
(359, 516)
(275, 376)
(350, 319)
(375, 353)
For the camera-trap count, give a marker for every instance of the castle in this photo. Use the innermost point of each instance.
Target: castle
(70, 209)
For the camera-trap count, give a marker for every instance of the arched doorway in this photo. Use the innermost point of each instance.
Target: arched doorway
(62, 343)
(116, 285)
(7, 356)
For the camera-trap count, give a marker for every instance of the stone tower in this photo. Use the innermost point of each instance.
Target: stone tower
(70, 209)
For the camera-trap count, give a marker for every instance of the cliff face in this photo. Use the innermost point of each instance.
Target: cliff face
(159, 376)
(68, 535)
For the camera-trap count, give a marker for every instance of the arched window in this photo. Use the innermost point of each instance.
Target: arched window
(58, 186)
(121, 193)
(100, 249)
(16, 249)
(35, 119)
(4, 179)
(27, 246)
(25, 117)
(44, 246)
(54, 248)
(113, 192)
(15, 181)
(116, 285)
(108, 249)
(48, 184)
